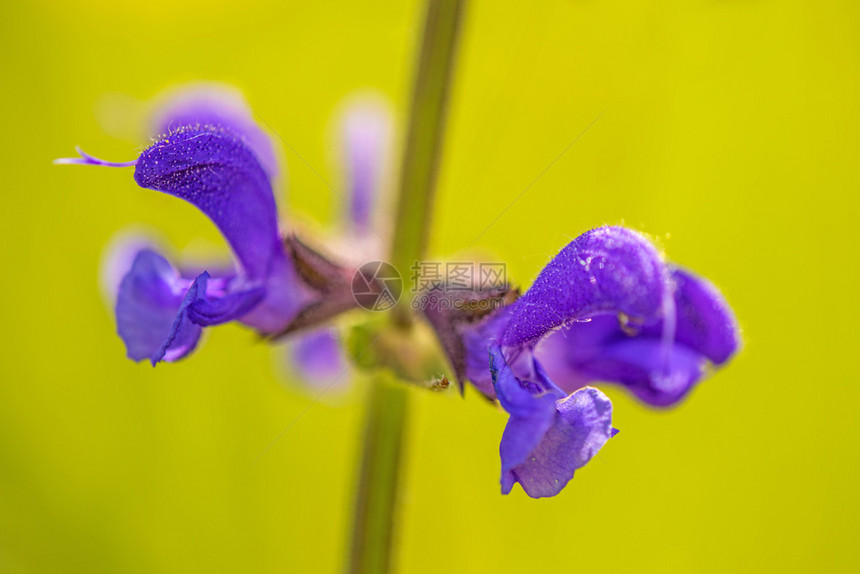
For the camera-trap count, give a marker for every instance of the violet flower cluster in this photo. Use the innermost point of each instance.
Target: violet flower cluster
(608, 308)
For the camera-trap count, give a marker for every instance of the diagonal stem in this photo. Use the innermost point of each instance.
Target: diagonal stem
(387, 408)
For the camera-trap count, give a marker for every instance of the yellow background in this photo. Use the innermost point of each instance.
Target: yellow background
(729, 131)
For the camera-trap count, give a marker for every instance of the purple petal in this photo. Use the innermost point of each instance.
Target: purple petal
(150, 311)
(216, 172)
(658, 371)
(319, 358)
(211, 104)
(159, 314)
(531, 410)
(566, 352)
(706, 322)
(366, 128)
(643, 365)
(206, 310)
(477, 339)
(645, 369)
(580, 427)
(286, 295)
(605, 270)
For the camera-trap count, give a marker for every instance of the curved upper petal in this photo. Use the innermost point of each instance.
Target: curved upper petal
(214, 170)
(219, 105)
(605, 270)
(581, 425)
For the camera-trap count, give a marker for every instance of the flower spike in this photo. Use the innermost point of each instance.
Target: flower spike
(607, 308)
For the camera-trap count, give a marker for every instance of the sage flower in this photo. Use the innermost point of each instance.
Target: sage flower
(608, 308)
(216, 158)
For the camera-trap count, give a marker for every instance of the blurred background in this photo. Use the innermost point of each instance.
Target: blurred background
(729, 132)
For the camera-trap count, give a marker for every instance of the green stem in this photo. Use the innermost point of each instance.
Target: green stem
(388, 404)
(372, 534)
(424, 136)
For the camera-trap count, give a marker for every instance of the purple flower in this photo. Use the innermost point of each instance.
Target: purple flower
(606, 308)
(318, 359)
(211, 158)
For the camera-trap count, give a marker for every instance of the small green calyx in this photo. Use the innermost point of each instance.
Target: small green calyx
(411, 353)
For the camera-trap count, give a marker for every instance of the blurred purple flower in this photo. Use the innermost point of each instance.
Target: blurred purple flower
(365, 132)
(319, 359)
